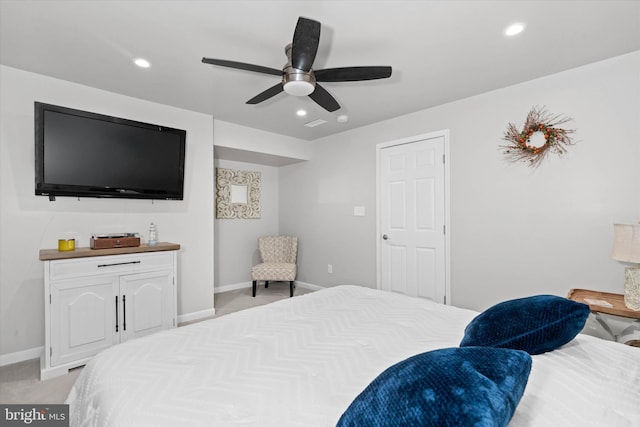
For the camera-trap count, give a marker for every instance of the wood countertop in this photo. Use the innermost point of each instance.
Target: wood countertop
(55, 254)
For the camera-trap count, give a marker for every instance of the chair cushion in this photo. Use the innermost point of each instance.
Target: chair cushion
(534, 324)
(470, 386)
(273, 271)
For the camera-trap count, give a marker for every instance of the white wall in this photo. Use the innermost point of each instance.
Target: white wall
(316, 204)
(236, 239)
(29, 223)
(258, 143)
(515, 231)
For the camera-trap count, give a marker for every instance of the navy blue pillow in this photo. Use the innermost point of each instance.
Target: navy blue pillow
(470, 386)
(534, 324)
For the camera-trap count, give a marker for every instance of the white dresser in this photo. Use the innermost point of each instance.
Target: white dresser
(97, 298)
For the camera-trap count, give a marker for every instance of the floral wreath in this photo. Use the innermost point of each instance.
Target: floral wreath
(538, 120)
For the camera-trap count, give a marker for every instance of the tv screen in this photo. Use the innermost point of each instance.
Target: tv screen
(83, 154)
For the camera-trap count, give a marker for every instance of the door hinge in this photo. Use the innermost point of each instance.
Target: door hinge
(443, 159)
(50, 351)
(49, 298)
(444, 229)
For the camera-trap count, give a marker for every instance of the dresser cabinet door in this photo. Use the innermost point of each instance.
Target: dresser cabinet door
(83, 317)
(147, 303)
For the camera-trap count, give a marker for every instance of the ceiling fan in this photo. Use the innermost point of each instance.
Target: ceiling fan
(297, 76)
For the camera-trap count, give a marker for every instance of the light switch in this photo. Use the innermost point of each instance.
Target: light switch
(358, 211)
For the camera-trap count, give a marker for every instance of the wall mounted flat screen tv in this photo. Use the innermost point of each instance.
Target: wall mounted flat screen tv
(84, 154)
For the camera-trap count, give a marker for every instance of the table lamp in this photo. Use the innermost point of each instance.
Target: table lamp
(626, 248)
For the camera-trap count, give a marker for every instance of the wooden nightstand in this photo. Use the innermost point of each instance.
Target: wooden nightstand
(611, 304)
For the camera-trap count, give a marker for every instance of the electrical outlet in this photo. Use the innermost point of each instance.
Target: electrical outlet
(329, 268)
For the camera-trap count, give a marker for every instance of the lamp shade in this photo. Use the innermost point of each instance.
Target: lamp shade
(626, 246)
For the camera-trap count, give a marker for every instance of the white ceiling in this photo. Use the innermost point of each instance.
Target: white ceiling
(440, 51)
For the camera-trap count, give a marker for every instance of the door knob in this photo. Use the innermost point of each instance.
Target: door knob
(385, 237)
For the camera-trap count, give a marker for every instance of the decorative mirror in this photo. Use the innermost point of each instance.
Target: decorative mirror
(237, 194)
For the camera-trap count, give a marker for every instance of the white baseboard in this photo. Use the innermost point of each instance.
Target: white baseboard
(21, 356)
(233, 287)
(236, 286)
(196, 315)
(309, 286)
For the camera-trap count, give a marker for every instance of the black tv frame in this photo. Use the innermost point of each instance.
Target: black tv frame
(69, 190)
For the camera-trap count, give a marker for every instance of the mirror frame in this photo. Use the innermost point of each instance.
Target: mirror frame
(225, 206)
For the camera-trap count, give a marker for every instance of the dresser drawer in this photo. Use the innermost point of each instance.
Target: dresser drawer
(113, 264)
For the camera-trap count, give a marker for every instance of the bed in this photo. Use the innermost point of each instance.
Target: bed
(302, 361)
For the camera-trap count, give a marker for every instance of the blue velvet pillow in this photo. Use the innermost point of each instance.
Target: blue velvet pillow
(470, 386)
(534, 324)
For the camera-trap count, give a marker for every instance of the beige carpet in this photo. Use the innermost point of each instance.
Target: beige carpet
(20, 382)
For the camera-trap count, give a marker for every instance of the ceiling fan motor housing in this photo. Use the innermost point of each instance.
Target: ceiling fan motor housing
(298, 82)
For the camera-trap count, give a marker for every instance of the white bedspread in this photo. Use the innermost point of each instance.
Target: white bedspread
(301, 361)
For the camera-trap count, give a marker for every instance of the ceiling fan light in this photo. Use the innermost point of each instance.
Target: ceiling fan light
(297, 82)
(299, 88)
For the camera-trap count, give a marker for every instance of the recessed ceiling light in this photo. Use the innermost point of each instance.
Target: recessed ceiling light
(514, 29)
(301, 113)
(142, 63)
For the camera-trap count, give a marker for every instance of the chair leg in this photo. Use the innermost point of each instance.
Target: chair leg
(291, 287)
(254, 287)
(266, 284)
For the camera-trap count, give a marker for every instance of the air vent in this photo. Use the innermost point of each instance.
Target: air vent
(315, 123)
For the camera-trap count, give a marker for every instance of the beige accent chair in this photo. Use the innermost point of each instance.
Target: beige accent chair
(279, 255)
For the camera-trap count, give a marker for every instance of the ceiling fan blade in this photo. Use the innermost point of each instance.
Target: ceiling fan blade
(263, 96)
(324, 99)
(305, 43)
(242, 66)
(352, 74)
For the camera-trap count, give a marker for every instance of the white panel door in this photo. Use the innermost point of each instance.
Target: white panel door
(147, 301)
(412, 218)
(83, 317)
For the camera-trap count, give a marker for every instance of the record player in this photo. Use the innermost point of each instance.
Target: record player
(114, 240)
